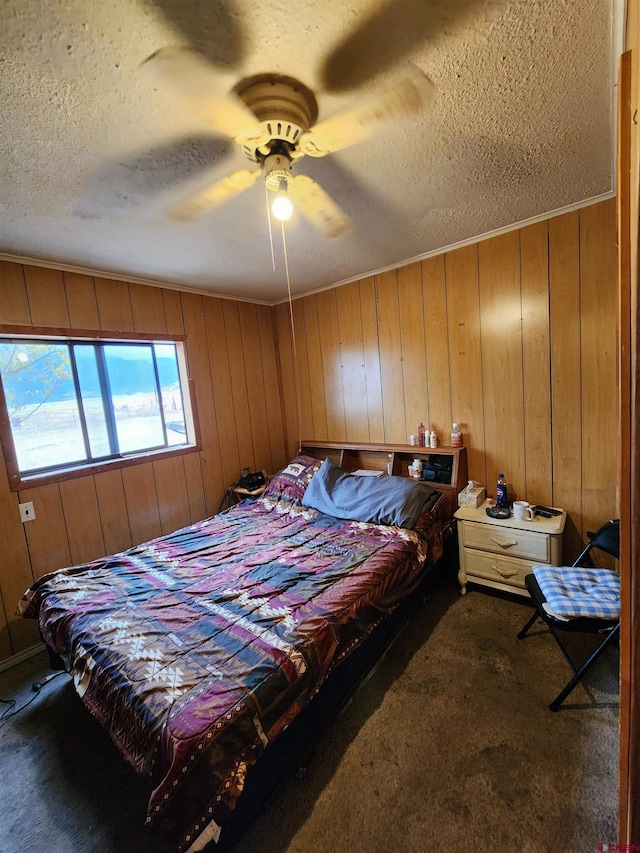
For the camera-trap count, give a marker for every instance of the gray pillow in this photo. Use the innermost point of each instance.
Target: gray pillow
(380, 500)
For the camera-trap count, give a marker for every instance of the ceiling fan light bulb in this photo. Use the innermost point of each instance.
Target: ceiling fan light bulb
(282, 207)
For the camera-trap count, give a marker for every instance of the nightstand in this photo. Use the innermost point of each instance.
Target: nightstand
(500, 553)
(235, 494)
(240, 493)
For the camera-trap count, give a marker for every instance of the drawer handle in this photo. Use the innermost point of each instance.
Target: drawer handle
(506, 573)
(504, 543)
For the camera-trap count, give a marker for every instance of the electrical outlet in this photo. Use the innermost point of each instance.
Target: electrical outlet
(27, 512)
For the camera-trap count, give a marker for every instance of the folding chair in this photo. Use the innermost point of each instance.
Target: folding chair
(578, 598)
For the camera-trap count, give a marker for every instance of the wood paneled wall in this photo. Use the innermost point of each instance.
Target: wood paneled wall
(232, 357)
(514, 337)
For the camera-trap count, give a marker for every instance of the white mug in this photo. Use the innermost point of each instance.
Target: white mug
(522, 511)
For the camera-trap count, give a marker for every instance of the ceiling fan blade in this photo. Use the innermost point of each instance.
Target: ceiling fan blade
(215, 195)
(214, 28)
(318, 207)
(391, 33)
(193, 77)
(404, 96)
(129, 183)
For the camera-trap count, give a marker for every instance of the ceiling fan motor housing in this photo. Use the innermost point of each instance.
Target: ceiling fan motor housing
(285, 109)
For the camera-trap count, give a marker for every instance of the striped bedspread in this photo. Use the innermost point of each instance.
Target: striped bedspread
(201, 646)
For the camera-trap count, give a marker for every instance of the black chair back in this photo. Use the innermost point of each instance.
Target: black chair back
(606, 539)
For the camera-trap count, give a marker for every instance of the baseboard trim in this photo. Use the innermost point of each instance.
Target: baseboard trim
(14, 660)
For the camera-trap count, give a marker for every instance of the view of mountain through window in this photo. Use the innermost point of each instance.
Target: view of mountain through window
(76, 402)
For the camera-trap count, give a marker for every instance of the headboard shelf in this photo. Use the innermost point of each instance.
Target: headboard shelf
(447, 466)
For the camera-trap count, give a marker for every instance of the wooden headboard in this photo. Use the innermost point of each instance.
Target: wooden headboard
(448, 465)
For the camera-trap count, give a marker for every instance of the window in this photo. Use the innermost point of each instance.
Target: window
(73, 403)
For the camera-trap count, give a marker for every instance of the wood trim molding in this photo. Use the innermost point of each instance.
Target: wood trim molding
(626, 783)
(628, 173)
(46, 332)
(14, 660)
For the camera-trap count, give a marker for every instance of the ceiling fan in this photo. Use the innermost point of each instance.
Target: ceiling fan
(273, 119)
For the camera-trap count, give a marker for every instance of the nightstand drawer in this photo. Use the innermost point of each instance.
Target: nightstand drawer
(504, 540)
(496, 567)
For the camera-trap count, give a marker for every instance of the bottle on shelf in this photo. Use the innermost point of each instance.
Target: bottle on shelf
(421, 435)
(390, 464)
(456, 436)
(433, 438)
(501, 491)
(412, 440)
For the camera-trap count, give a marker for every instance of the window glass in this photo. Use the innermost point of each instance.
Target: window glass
(171, 392)
(41, 402)
(92, 402)
(135, 395)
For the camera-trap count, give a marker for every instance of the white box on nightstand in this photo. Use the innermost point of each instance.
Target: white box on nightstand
(472, 497)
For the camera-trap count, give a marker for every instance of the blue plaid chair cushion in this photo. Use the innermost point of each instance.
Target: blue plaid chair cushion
(577, 591)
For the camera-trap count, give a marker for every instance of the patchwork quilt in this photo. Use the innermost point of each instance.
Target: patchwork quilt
(203, 645)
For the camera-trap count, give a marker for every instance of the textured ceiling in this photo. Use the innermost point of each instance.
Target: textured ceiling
(92, 149)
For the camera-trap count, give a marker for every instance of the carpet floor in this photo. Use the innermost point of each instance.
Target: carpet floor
(449, 745)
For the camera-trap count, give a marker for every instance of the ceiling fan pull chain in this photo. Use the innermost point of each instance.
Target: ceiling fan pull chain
(273, 257)
(293, 337)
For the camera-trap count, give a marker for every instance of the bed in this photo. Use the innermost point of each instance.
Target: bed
(197, 649)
